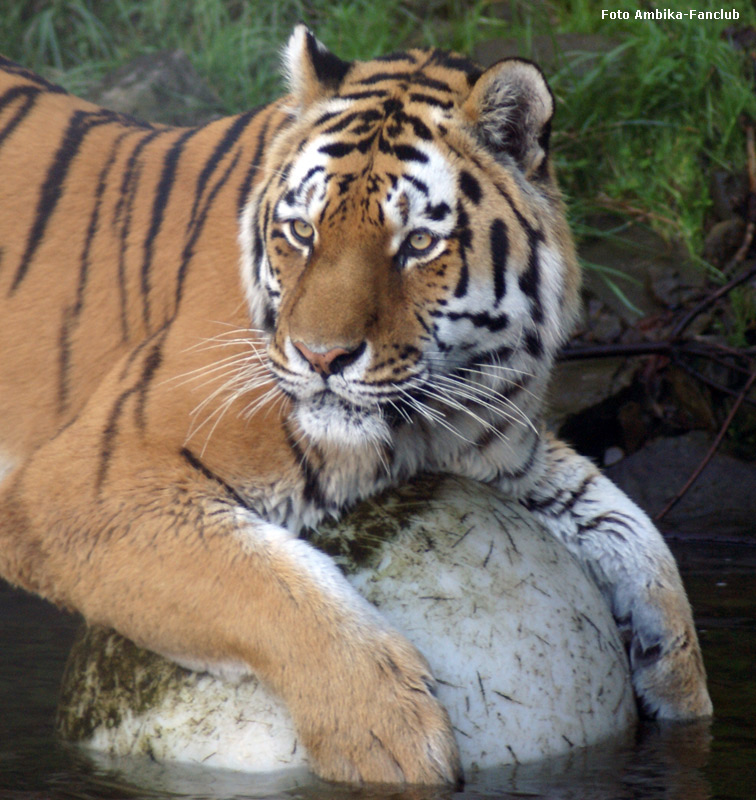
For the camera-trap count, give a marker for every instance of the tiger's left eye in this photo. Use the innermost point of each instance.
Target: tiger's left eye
(302, 231)
(420, 241)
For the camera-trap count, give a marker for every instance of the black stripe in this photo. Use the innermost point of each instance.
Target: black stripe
(499, 254)
(530, 280)
(409, 77)
(257, 251)
(418, 184)
(533, 344)
(329, 115)
(246, 184)
(344, 122)
(196, 464)
(406, 152)
(481, 319)
(337, 149)
(470, 187)
(150, 366)
(262, 235)
(429, 99)
(72, 313)
(389, 57)
(12, 68)
(548, 502)
(464, 237)
(438, 212)
(29, 95)
(198, 227)
(80, 123)
(311, 491)
(493, 358)
(458, 63)
(110, 432)
(229, 139)
(130, 175)
(495, 432)
(363, 95)
(312, 171)
(123, 211)
(162, 193)
(532, 232)
(283, 174)
(422, 131)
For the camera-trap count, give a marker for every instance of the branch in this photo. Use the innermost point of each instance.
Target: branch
(714, 445)
(711, 299)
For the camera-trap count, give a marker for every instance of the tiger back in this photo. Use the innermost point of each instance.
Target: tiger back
(212, 337)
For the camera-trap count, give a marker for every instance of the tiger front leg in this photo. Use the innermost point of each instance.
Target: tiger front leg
(180, 568)
(627, 556)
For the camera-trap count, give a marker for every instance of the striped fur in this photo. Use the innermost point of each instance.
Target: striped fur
(212, 337)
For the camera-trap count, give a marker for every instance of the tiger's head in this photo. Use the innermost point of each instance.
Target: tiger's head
(405, 250)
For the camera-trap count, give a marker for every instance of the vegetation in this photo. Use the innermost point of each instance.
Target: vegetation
(639, 126)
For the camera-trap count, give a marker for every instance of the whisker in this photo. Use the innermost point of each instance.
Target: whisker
(486, 399)
(433, 416)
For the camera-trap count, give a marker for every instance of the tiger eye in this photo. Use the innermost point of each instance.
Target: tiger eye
(420, 241)
(302, 231)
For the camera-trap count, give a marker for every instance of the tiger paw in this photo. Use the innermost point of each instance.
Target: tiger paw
(381, 724)
(668, 673)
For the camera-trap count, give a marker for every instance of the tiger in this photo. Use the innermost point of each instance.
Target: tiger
(215, 337)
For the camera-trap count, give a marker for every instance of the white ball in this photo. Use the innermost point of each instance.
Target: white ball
(527, 656)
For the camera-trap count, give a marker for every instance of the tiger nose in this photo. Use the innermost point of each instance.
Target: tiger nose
(332, 361)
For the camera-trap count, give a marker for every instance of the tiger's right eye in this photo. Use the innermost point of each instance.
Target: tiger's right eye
(421, 241)
(302, 231)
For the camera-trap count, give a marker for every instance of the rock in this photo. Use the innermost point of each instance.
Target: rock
(160, 87)
(579, 385)
(720, 504)
(728, 192)
(723, 241)
(657, 273)
(528, 658)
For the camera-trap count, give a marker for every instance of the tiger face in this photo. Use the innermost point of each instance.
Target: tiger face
(411, 259)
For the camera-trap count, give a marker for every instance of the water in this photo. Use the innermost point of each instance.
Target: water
(697, 762)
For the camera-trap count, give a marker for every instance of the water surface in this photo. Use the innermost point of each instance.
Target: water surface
(698, 762)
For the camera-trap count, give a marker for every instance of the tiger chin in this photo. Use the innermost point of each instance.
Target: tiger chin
(213, 337)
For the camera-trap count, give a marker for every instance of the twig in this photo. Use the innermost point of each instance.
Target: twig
(711, 299)
(712, 383)
(711, 351)
(715, 444)
(620, 350)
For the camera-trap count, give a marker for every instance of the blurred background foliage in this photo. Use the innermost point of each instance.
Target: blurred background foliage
(645, 108)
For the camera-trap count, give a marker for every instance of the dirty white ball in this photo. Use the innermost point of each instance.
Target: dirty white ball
(527, 656)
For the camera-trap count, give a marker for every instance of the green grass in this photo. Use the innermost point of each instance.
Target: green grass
(652, 118)
(638, 129)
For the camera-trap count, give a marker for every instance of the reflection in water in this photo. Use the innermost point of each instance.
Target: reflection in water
(689, 762)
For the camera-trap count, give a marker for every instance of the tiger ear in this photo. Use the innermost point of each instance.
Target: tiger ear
(511, 107)
(312, 71)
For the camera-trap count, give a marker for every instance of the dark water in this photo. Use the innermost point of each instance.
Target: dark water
(685, 762)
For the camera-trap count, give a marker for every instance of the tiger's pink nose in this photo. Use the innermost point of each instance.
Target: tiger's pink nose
(332, 361)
